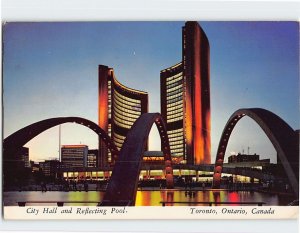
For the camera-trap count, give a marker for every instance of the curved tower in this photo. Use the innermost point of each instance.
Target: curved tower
(119, 107)
(185, 98)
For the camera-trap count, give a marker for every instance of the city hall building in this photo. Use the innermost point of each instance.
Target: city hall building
(185, 98)
(119, 107)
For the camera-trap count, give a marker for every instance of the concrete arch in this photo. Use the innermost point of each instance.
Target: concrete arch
(283, 137)
(15, 141)
(122, 187)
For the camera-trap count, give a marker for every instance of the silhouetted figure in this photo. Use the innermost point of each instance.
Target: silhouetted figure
(43, 187)
(74, 185)
(86, 186)
(203, 186)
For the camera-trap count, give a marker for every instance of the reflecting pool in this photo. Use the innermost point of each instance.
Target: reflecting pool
(145, 198)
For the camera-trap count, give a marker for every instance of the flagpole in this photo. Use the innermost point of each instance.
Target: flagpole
(59, 143)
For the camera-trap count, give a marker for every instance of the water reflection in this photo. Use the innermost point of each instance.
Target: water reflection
(146, 198)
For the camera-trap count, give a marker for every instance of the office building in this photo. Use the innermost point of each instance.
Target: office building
(242, 158)
(50, 167)
(92, 158)
(74, 156)
(119, 107)
(185, 98)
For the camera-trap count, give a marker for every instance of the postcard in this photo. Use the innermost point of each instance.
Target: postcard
(151, 120)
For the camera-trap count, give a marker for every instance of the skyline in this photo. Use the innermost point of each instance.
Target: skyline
(48, 54)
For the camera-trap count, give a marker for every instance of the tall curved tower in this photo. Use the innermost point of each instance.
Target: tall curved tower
(185, 98)
(118, 108)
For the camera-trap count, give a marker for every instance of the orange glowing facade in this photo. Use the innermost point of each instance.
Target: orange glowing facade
(119, 107)
(185, 98)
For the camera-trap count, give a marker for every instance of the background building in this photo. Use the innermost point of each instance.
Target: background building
(185, 98)
(157, 157)
(74, 156)
(35, 167)
(243, 158)
(92, 158)
(119, 107)
(25, 156)
(50, 167)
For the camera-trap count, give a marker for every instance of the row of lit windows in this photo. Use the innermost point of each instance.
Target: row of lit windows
(179, 103)
(118, 140)
(116, 135)
(122, 123)
(179, 94)
(175, 131)
(70, 158)
(72, 154)
(126, 112)
(74, 165)
(172, 117)
(174, 110)
(125, 116)
(118, 145)
(179, 90)
(175, 119)
(127, 105)
(73, 161)
(73, 150)
(174, 88)
(109, 130)
(180, 118)
(176, 146)
(174, 78)
(127, 98)
(176, 150)
(174, 82)
(174, 100)
(131, 113)
(175, 139)
(176, 143)
(175, 135)
(174, 114)
(178, 154)
(109, 92)
(67, 153)
(109, 134)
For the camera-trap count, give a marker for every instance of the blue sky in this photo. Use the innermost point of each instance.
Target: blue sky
(50, 70)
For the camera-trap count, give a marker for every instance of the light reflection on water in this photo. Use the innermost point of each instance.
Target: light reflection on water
(144, 198)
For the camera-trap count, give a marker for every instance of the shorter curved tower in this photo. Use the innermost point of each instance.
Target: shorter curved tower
(119, 107)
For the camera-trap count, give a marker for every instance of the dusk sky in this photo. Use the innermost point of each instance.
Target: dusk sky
(50, 70)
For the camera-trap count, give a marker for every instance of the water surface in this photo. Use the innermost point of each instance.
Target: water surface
(144, 198)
